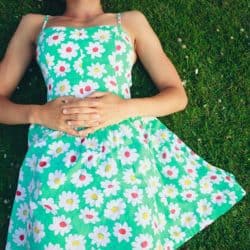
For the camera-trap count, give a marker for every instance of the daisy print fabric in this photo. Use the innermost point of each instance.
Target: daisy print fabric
(131, 185)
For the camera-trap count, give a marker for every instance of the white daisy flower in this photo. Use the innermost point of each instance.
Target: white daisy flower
(143, 215)
(153, 186)
(84, 88)
(176, 233)
(174, 210)
(111, 83)
(122, 231)
(102, 36)
(128, 155)
(114, 209)
(89, 215)
(107, 168)
(56, 179)
(130, 178)
(75, 242)
(142, 241)
(95, 49)
(63, 88)
(204, 207)
(38, 231)
(187, 182)
(43, 162)
(49, 205)
(96, 70)
(61, 225)
(68, 50)
(70, 158)
(205, 186)
(50, 60)
(57, 148)
(51, 246)
(22, 212)
(93, 196)
(218, 198)
(69, 201)
(188, 219)
(170, 172)
(56, 38)
(100, 236)
(134, 195)
(110, 187)
(61, 68)
(81, 178)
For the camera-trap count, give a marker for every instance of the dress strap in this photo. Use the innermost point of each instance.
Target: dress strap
(45, 21)
(119, 19)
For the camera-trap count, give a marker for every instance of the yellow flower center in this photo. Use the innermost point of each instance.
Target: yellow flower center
(132, 178)
(57, 180)
(115, 209)
(36, 230)
(70, 201)
(187, 182)
(100, 236)
(94, 196)
(59, 150)
(96, 70)
(176, 233)
(145, 215)
(75, 243)
(62, 87)
(107, 168)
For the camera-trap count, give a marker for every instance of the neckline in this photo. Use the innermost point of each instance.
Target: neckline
(84, 28)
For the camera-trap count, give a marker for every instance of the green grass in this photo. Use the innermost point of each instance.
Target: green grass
(214, 124)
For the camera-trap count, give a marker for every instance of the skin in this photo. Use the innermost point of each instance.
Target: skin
(109, 107)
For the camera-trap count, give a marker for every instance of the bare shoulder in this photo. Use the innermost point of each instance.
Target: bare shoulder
(32, 23)
(136, 23)
(134, 19)
(134, 15)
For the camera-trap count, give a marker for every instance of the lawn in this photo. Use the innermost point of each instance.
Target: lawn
(208, 43)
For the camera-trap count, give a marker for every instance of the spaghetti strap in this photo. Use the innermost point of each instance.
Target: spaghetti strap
(119, 20)
(45, 21)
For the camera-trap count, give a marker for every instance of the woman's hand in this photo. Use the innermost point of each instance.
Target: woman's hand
(51, 115)
(109, 106)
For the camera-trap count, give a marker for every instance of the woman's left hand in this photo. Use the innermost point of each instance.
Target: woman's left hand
(109, 106)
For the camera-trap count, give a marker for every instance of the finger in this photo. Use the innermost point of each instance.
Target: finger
(72, 110)
(81, 103)
(86, 131)
(83, 123)
(66, 99)
(72, 131)
(97, 94)
(83, 117)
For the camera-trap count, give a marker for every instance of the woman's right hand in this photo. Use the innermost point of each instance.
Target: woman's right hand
(50, 115)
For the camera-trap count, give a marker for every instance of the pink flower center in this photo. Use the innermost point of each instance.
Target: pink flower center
(127, 154)
(122, 231)
(63, 224)
(144, 244)
(68, 49)
(134, 195)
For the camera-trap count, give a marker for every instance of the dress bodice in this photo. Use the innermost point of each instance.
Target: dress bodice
(79, 60)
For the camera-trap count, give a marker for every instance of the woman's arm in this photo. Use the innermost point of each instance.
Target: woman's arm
(172, 96)
(12, 67)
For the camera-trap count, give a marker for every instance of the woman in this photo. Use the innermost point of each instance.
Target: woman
(101, 171)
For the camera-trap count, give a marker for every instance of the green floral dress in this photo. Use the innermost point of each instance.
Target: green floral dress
(131, 185)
